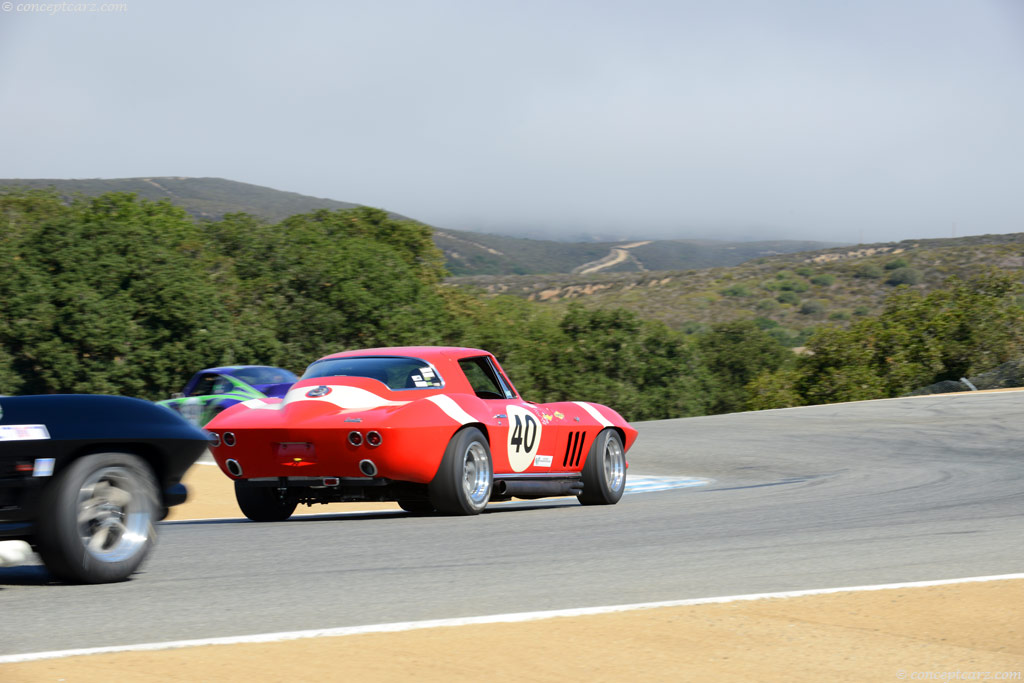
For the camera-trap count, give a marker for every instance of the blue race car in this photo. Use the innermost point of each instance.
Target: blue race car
(213, 390)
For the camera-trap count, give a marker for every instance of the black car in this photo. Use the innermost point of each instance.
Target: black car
(84, 478)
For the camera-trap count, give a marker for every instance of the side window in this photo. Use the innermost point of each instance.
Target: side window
(204, 387)
(483, 377)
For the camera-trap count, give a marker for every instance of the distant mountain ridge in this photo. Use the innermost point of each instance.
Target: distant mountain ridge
(466, 253)
(204, 198)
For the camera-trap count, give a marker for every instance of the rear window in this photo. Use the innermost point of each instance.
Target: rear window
(397, 372)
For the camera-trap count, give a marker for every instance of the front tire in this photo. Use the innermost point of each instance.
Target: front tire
(263, 503)
(604, 472)
(96, 519)
(462, 485)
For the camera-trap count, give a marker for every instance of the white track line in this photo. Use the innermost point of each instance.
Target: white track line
(470, 621)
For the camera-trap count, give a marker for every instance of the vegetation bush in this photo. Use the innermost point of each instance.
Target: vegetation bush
(868, 270)
(736, 290)
(904, 276)
(812, 308)
(823, 280)
(788, 297)
(896, 263)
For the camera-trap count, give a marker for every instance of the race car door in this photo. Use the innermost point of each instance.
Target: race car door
(520, 432)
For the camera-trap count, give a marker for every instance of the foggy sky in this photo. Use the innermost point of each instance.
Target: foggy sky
(862, 121)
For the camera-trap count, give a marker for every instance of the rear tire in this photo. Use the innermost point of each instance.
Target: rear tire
(604, 472)
(263, 503)
(96, 519)
(417, 507)
(462, 485)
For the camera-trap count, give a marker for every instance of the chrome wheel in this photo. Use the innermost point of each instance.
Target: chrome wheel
(115, 514)
(476, 480)
(614, 465)
(462, 485)
(604, 471)
(96, 518)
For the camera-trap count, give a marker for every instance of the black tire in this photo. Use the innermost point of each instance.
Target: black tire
(417, 507)
(604, 472)
(96, 518)
(263, 503)
(462, 485)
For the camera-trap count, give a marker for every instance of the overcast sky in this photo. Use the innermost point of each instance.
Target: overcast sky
(843, 121)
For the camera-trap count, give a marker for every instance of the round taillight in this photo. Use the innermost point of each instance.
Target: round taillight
(229, 438)
(355, 438)
(214, 439)
(373, 439)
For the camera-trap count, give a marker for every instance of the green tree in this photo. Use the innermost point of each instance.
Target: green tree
(735, 353)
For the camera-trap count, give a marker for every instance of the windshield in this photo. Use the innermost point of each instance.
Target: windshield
(264, 375)
(397, 372)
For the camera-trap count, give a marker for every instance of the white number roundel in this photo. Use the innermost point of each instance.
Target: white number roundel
(524, 430)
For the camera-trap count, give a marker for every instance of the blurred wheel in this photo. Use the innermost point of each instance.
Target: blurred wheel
(96, 520)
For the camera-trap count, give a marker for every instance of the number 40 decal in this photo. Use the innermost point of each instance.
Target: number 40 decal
(524, 430)
(524, 434)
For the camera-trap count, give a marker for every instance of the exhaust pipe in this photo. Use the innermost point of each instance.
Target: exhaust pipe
(368, 468)
(233, 467)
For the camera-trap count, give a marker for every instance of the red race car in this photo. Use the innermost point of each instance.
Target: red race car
(433, 428)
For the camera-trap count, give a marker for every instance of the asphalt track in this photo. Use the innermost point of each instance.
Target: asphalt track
(843, 495)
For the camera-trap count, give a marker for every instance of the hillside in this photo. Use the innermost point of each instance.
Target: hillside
(790, 291)
(204, 198)
(466, 253)
(469, 253)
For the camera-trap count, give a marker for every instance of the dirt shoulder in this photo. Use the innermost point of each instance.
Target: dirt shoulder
(892, 635)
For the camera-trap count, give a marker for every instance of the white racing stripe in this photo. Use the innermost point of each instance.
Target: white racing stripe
(452, 409)
(594, 413)
(516, 617)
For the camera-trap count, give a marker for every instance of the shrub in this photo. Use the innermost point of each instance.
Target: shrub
(804, 271)
(793, 286)
(839, 315)
(788, 298)
(735, 290)
(823, 280)
(868, 270)
(904, 276)
(812, 308)
(767, 305)
(895, 264)
(862, 310)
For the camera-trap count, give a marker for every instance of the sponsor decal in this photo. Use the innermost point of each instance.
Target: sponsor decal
(318, 392)
(23, 432)
(559, 416)
(545, 417)
(542, 461)
(427, 372)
